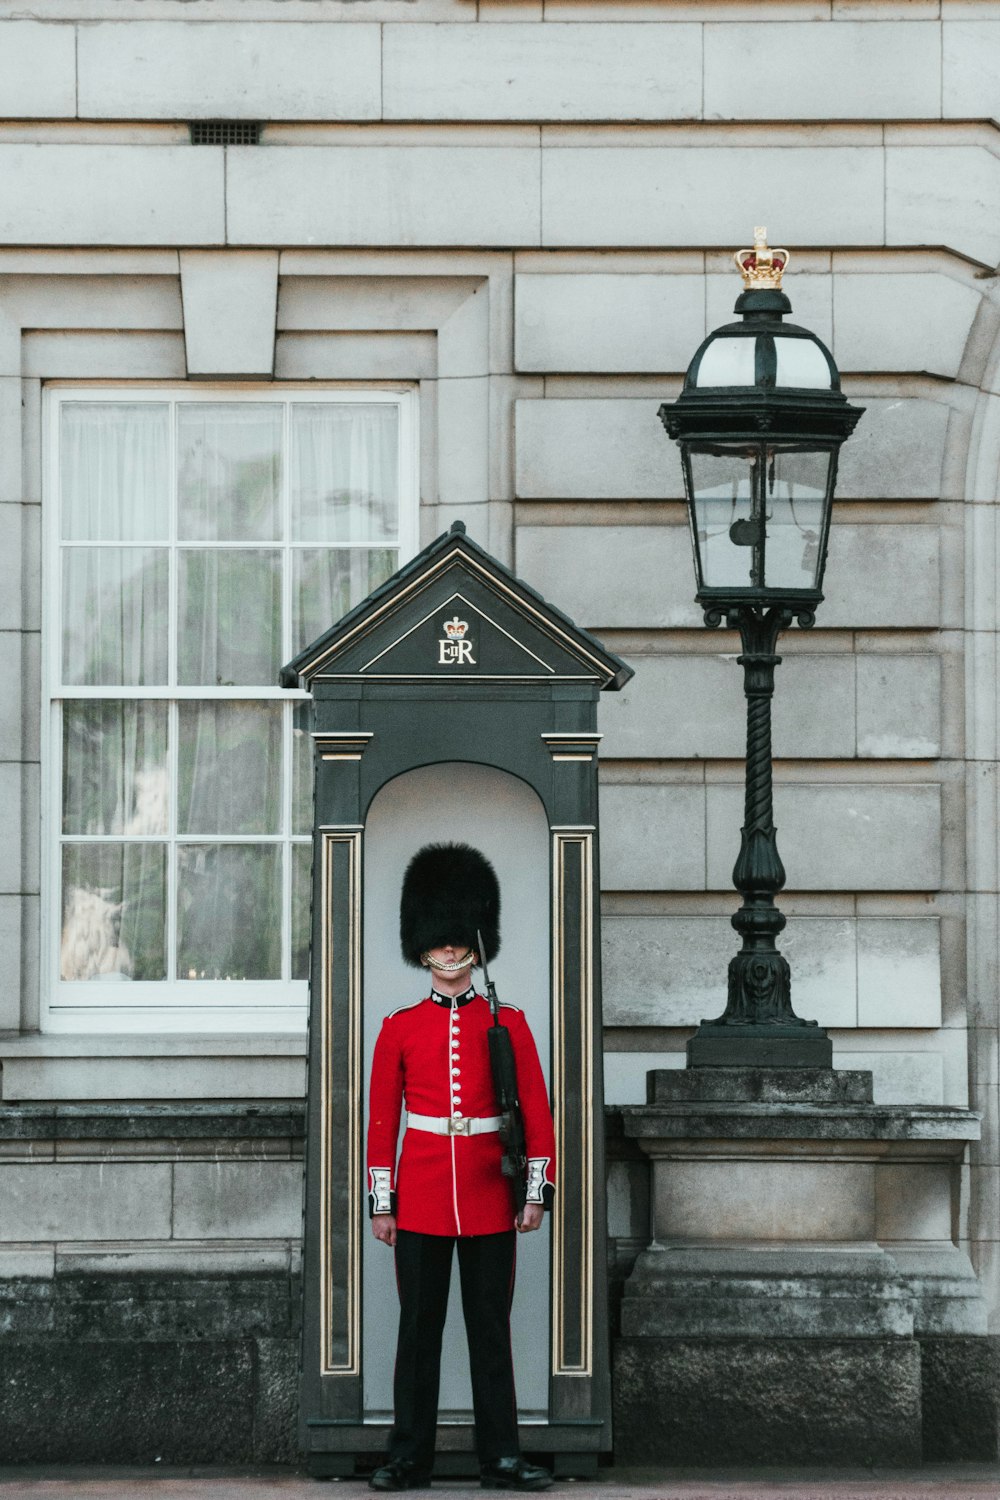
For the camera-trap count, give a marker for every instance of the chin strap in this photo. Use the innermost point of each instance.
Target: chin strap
(470, 961)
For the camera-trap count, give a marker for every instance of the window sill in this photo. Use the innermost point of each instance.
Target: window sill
(149, 1066)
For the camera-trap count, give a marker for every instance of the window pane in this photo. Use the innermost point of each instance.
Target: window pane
(229, 768)
(230, 617)
(302, 770)
(301, 908)
(345, 473)
(723, 484)
(115, 615)
(114, 470)
(229, 472)
(113, 911)
(325, 585)
(115, 768)
(796, 489)
(229, 911)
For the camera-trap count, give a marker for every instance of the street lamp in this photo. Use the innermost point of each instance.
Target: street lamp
(759, 423)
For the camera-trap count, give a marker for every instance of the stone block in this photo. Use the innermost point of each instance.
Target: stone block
(137, 301)
(898, 1077)
(126, 1402)
(10, 694)
(151, 70)
(124, 1077)
(10, 966)
(355, 356)
(684, 707)
(607, 323)
(37, 70)
(599, 449)
(610, 577)
(899, 971)
(11, 797)
(615, 448)
(875, 327)
(913, 1202)
(11, 476)
(111, 356)
(111, 195)
(771, 1201)
(766, 1401)
(621, 577)
(383, 195)
(899, 707)
(960, 1398)
(618, 195)
(237, 1200)
(861, 590)
(839, 837)
(970, 69)
(952, 187)
(653, 838)
(463, 441)
(845, 70)
(230, 306)
(625, 1080)
(670, 971)
(366, 303)
(896, 451)
(276, 1401)
(64, 1200)
(529, 72)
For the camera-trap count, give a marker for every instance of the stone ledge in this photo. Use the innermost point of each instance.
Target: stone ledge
(263, 1120)
(923, 1123)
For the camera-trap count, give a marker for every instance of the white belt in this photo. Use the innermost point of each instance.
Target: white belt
(447, 1125)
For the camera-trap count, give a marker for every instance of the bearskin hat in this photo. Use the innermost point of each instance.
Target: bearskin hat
(449, 891)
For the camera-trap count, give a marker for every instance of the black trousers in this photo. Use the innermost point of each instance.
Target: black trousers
(423, 1273)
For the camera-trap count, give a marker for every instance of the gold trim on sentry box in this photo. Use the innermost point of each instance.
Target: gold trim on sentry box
(561, 1314)
(351, 837)
(342, 744)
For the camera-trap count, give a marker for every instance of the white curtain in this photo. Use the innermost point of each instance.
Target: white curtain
(345, 474)
(115, 472)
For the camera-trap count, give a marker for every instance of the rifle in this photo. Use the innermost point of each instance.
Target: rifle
(514, 1162)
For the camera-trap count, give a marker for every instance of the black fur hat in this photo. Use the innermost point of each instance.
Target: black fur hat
(449, 890)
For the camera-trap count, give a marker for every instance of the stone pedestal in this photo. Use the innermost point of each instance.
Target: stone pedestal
(803, 1245)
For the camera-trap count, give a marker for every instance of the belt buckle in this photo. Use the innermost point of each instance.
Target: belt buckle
(459, 1127)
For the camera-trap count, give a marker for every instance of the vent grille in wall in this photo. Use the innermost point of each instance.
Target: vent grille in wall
(225, 132)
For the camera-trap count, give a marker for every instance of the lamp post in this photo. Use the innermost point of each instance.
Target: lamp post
(759, 423)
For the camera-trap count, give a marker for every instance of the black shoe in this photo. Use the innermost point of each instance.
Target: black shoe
(513, 1474)
(400, 1474)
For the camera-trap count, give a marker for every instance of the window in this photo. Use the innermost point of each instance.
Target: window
(197, 540)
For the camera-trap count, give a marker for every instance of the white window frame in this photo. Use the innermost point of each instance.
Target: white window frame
(183, 1006)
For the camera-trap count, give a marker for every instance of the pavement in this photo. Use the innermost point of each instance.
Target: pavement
(933, 1482)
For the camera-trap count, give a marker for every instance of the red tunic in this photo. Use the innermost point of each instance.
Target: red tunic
(436, 1057)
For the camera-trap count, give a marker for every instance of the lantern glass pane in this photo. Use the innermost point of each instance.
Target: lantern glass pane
(795, 498)
(722, 490)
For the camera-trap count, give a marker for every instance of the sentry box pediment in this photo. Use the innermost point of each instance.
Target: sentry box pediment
(454, 613)
(454, 703)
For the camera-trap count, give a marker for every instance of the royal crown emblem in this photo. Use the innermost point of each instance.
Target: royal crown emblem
(761, 267)
(455, 646)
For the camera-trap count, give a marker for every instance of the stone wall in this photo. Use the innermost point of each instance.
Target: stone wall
(152, 1305)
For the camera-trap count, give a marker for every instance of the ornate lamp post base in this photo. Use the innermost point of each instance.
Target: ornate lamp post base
(725, 1044)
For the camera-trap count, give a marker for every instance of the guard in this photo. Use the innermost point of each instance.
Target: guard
(449, 1188)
